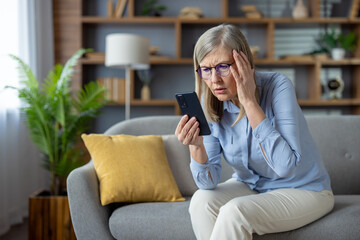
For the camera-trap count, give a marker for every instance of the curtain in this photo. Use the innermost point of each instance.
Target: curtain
(26, 27)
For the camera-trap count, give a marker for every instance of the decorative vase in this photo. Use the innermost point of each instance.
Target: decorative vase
(300, 10)
(337, 53)
(145, 93)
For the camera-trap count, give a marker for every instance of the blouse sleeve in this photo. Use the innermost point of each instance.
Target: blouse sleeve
(207, 175)
(279, 137)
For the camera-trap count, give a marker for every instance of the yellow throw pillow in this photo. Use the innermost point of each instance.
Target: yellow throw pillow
(132, 168)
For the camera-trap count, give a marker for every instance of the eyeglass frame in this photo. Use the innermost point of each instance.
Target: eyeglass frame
(198, 70)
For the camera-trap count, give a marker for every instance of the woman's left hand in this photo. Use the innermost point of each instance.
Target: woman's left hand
(244, 78)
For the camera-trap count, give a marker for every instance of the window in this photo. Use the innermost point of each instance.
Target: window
(9, 44)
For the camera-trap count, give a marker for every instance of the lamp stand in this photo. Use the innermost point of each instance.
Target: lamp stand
(127, 93)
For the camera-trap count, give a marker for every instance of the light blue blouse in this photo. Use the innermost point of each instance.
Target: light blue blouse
(278, 153)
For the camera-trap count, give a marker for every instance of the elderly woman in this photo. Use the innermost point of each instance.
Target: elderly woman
(279, 181)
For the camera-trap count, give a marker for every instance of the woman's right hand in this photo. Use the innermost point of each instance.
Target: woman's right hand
(187, 131)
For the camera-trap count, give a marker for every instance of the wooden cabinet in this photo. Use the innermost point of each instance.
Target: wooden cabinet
(179, 35)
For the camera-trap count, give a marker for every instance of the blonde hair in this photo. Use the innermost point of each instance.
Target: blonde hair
(229, 37)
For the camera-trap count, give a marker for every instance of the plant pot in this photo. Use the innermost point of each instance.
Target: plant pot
(337, 53)
(157, 14)
(49, 217)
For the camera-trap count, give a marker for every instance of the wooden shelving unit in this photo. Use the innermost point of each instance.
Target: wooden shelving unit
(269, 24)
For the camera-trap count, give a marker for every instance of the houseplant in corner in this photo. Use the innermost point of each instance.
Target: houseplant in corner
(56, 117)
(337, 43)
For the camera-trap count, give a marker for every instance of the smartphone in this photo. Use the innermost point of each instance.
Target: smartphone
(190, 105)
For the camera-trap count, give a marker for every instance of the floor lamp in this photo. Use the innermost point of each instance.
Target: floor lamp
(127, 51)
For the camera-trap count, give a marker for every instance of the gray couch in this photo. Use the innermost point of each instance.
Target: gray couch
(338, 138)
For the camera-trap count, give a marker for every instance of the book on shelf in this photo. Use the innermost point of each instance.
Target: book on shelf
(256, 15)
(251, 11)
(115, 88)
(315, 8)
(110, 8)
(120, 7)
(248, 8)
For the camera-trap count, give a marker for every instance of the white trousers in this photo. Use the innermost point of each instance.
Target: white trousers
(232, 211)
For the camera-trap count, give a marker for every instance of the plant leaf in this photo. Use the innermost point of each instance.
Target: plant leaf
(27, 77)
(68, 69)
(54, 117)
(50, 83)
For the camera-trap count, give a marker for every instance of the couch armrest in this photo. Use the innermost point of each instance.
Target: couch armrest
(90, 219)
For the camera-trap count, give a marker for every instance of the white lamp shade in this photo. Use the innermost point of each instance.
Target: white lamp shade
(127, 50)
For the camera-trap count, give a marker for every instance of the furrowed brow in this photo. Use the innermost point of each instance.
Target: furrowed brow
(222, 62)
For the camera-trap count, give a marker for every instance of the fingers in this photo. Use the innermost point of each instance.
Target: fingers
(181, 124)
(197, 132)
(244, 77)
(244, 57)
(244, 73)
(191, 134)
(236, 75)
(238, 71)
(242, 64)
(249, 69)
(187, 131)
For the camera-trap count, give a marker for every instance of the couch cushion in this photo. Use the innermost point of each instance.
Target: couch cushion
(162, 220)
(178, 156)
(172, 221)
(338, 140)
(132, 168)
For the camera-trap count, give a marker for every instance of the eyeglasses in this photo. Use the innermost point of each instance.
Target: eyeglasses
(222, 69)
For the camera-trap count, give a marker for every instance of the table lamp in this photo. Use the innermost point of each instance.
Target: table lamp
(127, 51)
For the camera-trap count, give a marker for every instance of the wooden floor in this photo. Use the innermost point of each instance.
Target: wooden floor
(17, 232)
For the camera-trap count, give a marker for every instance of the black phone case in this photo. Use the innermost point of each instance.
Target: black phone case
(190, 105)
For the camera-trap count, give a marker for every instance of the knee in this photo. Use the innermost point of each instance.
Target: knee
(236, 220)
(236, 209)
(203, 201)
(229, 209)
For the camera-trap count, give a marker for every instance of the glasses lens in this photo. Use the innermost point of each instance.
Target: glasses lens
(223, 69)
(204, 73)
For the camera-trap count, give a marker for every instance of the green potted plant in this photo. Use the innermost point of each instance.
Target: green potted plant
(337, 43)
(151, 8)
(56, 117)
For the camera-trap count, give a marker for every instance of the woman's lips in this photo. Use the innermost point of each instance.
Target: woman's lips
(220, 90)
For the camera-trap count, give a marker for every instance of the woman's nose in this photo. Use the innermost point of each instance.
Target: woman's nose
(214, 76)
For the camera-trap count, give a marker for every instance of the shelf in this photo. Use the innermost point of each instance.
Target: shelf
(304, 103)
(329, 103)
(352, 61)
(315, 20)
(153, 102)
(140, 20)
(349, 61)
(153, 61)
(171, 61)
(173, 20)
(224, 20)
(185, 61)
(283, 62)
(73, 29)
(86, 61)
